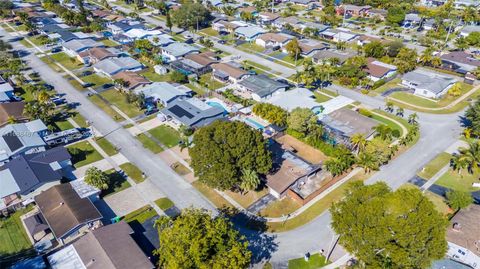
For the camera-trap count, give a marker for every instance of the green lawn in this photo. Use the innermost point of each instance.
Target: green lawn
(212, 195)
(316, 261)
(105, 107)
(164, 203)
(118, 99)
(180, 169)
(80, 120)
(141, 215)
(117, 183)
(319, 97)
(435, 165)
(196, 89)
(387, 122)
(259, 66)
(13, 237)
(439, 202)
(414, 100)
(133, 172)
(394, 83)
(209, 31)
(149, 143)
(67, 61)
(150, 74)
(106, 146)
(462, 182)
(51, 63)
(109, 43)
(63, 125)
(83, 153)
(26, 43)
(166, 135)
(280, 208)
(209, 82)
(251, 47)
(96, 80)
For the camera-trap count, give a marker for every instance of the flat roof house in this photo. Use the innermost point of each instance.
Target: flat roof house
(140, 33)
(74, 47)
(108, 247)
(377, 70)
(250, 32)
(269, 40)
(460, 62)
(343, 123)
(164, 92)
(227, 26)
(192, 112)
(21, 138)
(25, 174)
(112, 66)
(225, 72)
(67, 215)
(261, 87)
(97, 54)
(463, 237)
(132, 80)
(291, 99)
(177, 50)
(427, 84)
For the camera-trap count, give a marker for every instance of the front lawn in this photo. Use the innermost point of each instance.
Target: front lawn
(133, 172)
(116, 184)
(320, 97)
(13, 237)
(315, 261)
(118, 99)
(141, 215)
(180, 169)
(247, 199)
(461, 182)
(62, 125)
(68, 62)
(249, 47)
(394, 83)
(211, 195)
(83, 153)
(166, 135)
(105, 107)
(435, 165)
(164, 203)
(96, 80)
(106, 146)
(209, 31)
(149, 143)
(280, 208)
(80, 120)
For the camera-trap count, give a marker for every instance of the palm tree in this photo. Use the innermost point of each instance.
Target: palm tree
(412, 118)
(400, 111)
(389, 106)
(384, 132)
(368, 161)
(470, 156)
(359, 142)
(43, 97)
(458, 163)
(250, 180)
(11, 119)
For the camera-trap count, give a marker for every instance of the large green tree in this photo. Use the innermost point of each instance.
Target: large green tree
(223, 149)
(191, 15)
(386, 229)
(195, 239)
(459, 199)
(97, 178)
(395, 15)
(301, 120)
(272, 113)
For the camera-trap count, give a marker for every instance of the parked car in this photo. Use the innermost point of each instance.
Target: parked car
(56, 49)
(222, 41)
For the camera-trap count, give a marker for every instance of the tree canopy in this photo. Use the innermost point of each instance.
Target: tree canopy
(96, 178)
(222, 150)
(395, 15)
(272, 113)
(195, 239)
(386, 229)
(191, 14)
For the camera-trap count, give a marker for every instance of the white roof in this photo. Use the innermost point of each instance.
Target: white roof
(82, 35)
(162, 91)
(83, 189)
(6, 87)
(66, 258)
(335, 104)
(298, 97)
(141, 33)
(8, 183)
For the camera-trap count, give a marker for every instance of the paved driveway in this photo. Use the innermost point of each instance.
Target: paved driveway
(124, 202)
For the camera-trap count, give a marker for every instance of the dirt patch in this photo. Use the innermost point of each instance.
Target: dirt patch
(303, 150)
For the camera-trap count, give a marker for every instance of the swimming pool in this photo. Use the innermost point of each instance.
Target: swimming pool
(216, 104)
(254, 124)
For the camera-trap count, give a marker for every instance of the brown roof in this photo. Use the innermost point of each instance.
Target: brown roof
(13, 109)
(287, 174)
(350, 122)
(231, 71)
(270, 15)
(228, 25)
(247, 9)
(204, 58)
(64, 210)
(465, 228)
(133, 79)
(111, 246)
(275, 37)
(98, 53)
(101, 13)
(376, 68)
(461, 57)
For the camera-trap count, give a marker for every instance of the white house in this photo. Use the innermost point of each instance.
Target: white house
(377, 70)
(177, 50)
(273, 40)
(261, 87)
(75, 46)
(427, 84)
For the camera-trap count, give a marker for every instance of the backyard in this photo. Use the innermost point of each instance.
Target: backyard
(83, 153)
(13, 237)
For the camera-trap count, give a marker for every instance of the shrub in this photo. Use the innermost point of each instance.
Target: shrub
(365, 112)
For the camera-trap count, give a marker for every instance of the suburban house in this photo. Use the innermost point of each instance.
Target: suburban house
(140, 33)
(327, 55)
(97, 54)
(291, 99)
(429, 24)
(247, 9)
(377, 70)
(267, 17)
(132, 80)
(467, 30)
(288, 168)
(123, 26)
(463, 237)
(191, 112)
(108, 247)
(427, 84)
(164, 92)
(293, 21)
(161, 40)
(25, 174)
(13, 110)
(338, 35)
(460, 62)
(303, 2)
(21, 138)
(74, 47)
(261, 87)
(6, 91)
(272, 40)
(309, 46)
(342, 124)
(353, 10)
(250, 32)
(366, 39)
(377, 13)
(197, 64)
(225, 72)
(67, 215)
(317, 27)
(112, 66)
(227, 26)
(177, 50)
(411, 19)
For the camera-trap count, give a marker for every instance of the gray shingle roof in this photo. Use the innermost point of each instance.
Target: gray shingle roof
(81, 44)
(262, 85)
(178, 49)
(428, 81)
(112, 66)
(193, 112)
